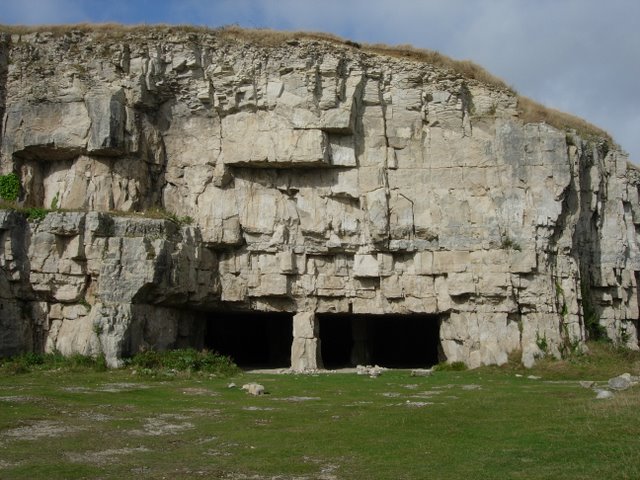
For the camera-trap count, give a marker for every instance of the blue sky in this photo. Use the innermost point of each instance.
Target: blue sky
(580, 56)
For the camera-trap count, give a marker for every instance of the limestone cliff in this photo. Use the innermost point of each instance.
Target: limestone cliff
(318, 177)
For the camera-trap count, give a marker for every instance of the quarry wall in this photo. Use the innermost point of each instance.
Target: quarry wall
(190, 172)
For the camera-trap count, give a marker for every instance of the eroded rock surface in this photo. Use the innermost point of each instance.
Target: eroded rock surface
(319, 178)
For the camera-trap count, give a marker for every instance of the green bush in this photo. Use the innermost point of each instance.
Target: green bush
(28, 362)
(451, 367)
(184, 360)
(9, 187)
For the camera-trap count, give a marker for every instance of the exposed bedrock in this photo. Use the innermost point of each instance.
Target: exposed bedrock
(318, 179)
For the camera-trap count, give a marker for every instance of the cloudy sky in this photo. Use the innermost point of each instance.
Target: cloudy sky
(580, 56)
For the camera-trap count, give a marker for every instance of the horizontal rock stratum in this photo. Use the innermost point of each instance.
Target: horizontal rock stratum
(318, 178)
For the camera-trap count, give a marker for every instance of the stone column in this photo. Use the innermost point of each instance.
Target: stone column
(305, 350)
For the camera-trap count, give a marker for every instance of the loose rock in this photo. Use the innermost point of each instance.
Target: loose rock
(604, 394)
(254, 389)
(621, 382)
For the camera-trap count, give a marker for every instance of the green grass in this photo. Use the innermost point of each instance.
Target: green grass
(490, 423)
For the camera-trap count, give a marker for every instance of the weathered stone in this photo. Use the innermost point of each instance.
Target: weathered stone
(308, 177)
(305, 355)
(108, 119)
(47, 131)
(273, 142)
(621, 382)
(604, 394)
(365, 265)
(254, 389)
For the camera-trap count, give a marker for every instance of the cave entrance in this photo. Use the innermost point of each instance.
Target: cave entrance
(251, 339)
(395, 341)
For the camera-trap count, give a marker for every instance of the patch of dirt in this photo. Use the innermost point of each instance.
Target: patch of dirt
(426, 394)
(412, 386)
(18, 399)
(326, 473)
(5, 464)
(104, 457)
(76, 389)
(390, 394)
(411, 404)
(198, 391)
(206, 440)
(297, 399)
(163, 425)
(96, 417)
(121, 387)
(472, 387)
(41, 429)
(107, 387)
(217, 453)
(222, 450)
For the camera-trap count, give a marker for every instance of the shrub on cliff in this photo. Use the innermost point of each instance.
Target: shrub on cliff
(9, 187)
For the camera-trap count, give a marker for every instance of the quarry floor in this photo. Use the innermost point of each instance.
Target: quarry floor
(486, 423)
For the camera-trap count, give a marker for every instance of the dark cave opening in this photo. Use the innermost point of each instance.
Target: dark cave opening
(252, 339)
(392, 340)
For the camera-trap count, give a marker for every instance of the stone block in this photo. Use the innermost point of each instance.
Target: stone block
(377, 209)
(270, 285)
(342, 150)
(287, 262)
(46, 130)
(461, 284)
(423, 262)
(391, 287)
(418, 286)
(493, 284)
(385, 264)
(522, 261)
(450, 261)
(273, 142)
(365, 265)
(234, 288)
(305, 355)
(305, 325)
(108, 119)
(68, 288)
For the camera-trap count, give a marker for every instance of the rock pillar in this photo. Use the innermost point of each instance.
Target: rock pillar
(305, 350)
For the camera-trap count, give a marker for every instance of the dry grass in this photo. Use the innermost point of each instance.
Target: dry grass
(532, 112)
(528, 110)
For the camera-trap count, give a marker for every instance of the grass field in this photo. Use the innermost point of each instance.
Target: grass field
(490, 423)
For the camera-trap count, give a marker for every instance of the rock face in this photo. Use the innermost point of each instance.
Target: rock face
(319, 178)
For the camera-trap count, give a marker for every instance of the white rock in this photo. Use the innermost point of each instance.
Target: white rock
(254, 389)
(604, 394)
(621, 382)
